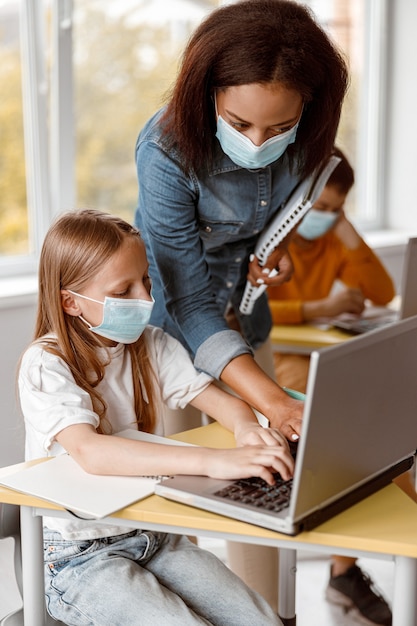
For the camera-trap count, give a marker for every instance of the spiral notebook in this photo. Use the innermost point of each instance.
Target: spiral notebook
(299, 202)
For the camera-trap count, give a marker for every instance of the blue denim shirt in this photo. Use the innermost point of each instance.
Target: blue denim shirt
(199, 232)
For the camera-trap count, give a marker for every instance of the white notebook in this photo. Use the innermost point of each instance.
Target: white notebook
(62, 481)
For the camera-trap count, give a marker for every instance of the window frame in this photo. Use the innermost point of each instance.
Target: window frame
(371, 138)
(49, 150)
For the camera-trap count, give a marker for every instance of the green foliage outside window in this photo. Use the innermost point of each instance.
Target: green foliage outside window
(13, 214)
(129, 70)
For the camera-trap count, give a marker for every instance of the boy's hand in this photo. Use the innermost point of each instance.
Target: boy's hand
(347, 300)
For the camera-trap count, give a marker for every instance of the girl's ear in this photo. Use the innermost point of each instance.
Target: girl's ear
(69, 304)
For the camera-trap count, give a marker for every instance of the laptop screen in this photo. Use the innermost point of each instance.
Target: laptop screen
(360, 413)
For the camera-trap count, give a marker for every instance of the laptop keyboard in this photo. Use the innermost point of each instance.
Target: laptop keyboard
(358, 327)
(256, 492)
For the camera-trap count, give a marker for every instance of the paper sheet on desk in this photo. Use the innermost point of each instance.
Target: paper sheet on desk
(62, 481)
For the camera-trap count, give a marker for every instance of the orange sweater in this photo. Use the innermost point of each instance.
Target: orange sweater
(315, 271)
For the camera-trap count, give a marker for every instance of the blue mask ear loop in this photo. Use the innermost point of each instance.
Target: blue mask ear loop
(79, 295)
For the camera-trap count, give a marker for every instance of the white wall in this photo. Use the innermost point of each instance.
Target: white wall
(17, 317)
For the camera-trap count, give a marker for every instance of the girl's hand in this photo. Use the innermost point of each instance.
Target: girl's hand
(255, 435)
(247, 461)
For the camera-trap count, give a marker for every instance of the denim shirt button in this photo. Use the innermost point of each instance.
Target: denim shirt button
(208, 229)
(229, 284)
(264, 202)
(238, 259)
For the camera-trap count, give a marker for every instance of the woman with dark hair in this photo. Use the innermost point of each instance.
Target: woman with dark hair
(254, 110)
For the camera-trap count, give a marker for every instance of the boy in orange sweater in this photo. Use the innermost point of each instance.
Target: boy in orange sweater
(326, 248)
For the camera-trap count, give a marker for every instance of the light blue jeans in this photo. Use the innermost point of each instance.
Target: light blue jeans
(145, 579)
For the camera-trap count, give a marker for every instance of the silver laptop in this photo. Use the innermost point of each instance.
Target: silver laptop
(359, 432)
(358, 325)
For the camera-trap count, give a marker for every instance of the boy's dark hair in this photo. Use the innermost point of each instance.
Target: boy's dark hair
(343, 176)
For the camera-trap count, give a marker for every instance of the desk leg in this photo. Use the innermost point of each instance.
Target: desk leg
(405, 585)
(286, 580)
(32, 568)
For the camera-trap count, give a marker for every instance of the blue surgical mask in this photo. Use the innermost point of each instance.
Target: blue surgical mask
(317, 223)
(124, 320)
(243, 152)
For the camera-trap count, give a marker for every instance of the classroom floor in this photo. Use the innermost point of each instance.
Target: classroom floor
(312, 577)
(312, 574)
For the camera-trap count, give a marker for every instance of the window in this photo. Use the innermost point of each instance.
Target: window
(13, 215)
(93, 73)
(359, 29)
(125, 59)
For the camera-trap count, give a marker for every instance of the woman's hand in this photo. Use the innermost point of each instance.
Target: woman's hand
(247, 461)
(279, 261)
(258, 390)
(287, 417)
(256, 435)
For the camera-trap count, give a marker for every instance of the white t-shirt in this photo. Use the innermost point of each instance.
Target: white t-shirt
(51, 401)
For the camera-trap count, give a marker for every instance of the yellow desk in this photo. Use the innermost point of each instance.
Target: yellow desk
(303, 338)
(384, 524)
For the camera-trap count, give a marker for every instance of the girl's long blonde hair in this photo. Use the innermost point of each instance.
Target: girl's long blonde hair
(76, 246)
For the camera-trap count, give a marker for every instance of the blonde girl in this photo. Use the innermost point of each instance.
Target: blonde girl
(96, 367)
